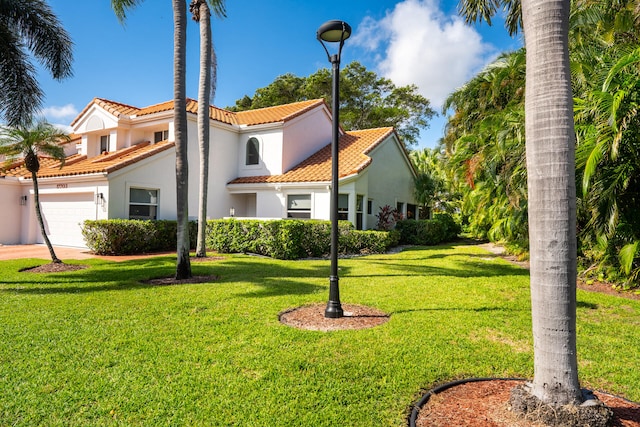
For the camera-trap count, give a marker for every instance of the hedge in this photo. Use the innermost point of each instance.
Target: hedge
(441, 228)
(282, 239)
(293, 239)
(131, 236)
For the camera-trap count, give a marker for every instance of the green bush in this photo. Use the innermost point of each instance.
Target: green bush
(452, 227)
(440, 229)
(293, 239)
(130, 236)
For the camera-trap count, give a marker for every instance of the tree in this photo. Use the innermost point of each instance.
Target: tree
(28, 142)
(366, 100)
(29, 25)
(120, 7)
(550, 150)
(206, 91)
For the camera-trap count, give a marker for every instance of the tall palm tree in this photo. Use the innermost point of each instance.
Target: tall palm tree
(550, 152)
(120, 7)
(206, 92)
(27, 142)
(29, 25)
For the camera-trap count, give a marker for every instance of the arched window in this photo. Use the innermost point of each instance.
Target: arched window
(253, 151)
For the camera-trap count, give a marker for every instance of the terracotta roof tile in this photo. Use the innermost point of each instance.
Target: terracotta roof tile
(353, 158)
(276, 114)
(80, 165)
(280, 113)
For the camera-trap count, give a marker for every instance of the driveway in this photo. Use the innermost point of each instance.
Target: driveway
(62, 252)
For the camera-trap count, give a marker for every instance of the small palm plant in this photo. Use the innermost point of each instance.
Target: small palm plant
(27, 142)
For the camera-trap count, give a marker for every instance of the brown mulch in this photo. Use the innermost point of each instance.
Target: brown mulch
(485, 404)
(312, 317)
(167, 281)
(55, 267)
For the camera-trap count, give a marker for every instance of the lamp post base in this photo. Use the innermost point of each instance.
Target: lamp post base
(333, 310)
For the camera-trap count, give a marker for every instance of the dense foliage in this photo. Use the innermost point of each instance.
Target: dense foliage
(366, 100)
(293, 239)
(129, 236)
(483, 150)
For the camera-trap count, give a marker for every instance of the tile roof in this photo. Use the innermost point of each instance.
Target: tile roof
(280, 113)
(353, 158)
(80, 165)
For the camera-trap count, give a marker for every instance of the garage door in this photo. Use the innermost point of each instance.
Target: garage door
(63, 215)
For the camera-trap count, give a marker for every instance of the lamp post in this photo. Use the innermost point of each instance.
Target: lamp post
(334, 32)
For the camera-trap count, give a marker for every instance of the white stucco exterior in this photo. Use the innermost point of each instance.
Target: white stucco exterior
(112, 133)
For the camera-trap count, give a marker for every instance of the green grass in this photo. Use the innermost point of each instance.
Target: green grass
(97, 347)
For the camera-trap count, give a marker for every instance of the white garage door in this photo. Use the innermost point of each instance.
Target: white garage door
(63, 215)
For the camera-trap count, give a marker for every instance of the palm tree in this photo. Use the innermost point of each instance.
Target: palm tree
(550, 152)
(206, 91)
(27, 142)
(32, 25)
(120, 7)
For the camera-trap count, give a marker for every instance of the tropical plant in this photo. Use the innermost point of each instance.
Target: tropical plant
(387, 218)
(366, 100)
(607, 126)
(27, 143)
(206, 91)
(120, 7)
(550, 154)
(29, 29)
(484, 151)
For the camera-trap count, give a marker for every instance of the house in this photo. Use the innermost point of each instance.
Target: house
(269, 163)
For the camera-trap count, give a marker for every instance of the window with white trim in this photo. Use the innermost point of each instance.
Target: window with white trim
(253, 151)
(299, 206)
(143, 203)
(104, 143)
(160, 136)
(343, 207)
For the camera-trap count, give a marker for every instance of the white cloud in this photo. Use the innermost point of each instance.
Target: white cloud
(423, 46)
(66, 112)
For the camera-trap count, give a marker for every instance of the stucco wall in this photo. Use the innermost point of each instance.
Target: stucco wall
(313, 128)
(11, 223)
(390, 179)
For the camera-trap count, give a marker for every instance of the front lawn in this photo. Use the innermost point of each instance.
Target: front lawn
(99, 347)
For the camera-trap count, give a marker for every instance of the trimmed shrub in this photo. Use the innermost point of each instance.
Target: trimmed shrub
(440, 229)
(132, 236)
(293, 239)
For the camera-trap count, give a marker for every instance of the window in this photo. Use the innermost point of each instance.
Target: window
(369, 207)
(343, 207)
(143, 203)
(412, 211)
(299, 206)
(160, 136)
(104, 144)
(253, 151)
(359, 203)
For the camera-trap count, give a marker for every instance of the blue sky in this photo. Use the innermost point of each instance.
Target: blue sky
(420, 42)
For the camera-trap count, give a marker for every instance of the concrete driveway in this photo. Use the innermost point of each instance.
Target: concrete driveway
(62, 252)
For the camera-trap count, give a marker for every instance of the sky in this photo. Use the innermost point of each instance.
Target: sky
(421, 42)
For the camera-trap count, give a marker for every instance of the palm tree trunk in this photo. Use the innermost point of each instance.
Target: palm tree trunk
(204, 99)
(36, 200)
(183, 264)
(550, 148)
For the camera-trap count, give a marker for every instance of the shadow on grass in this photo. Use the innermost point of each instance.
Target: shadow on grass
(274, 278)
(270, 277)
(468, 309)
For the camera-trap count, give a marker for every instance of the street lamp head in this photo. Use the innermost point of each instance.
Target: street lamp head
(334, 31)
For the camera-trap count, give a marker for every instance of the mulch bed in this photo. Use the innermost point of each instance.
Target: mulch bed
(55, 267)
(485, 404)
(311, 317)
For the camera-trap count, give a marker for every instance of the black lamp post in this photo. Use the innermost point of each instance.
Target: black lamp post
(334, 32)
